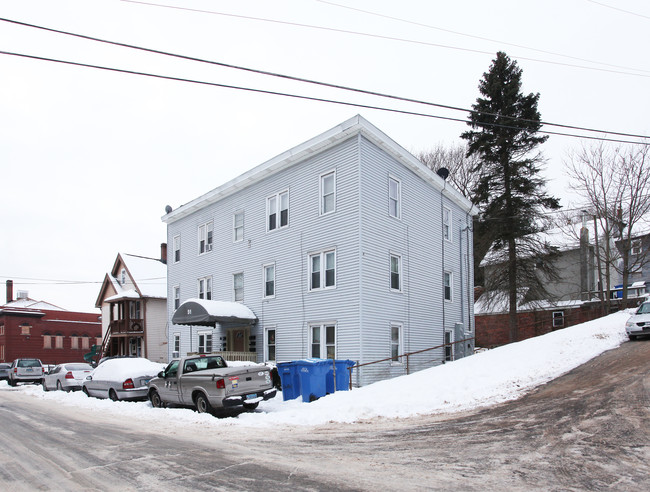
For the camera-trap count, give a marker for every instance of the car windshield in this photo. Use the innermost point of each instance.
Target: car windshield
(29, 363)
(644, 308)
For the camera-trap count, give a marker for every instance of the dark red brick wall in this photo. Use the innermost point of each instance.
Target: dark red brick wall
(67, 323)
(493, 330)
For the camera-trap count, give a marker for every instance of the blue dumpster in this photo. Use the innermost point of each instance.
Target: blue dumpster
(313, 378)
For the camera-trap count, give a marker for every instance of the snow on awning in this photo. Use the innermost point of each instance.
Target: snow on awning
(208, 313)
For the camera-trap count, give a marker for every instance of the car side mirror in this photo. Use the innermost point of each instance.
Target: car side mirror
(162, 374)
(89, 378)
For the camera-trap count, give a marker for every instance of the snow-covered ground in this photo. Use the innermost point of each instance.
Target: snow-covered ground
(489, 377)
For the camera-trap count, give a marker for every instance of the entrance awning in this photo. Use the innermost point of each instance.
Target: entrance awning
(202, 312)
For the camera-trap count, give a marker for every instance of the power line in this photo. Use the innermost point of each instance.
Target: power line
(428, 26)
(308, 98)
(620, 10)
(314, 82)
(379, 36)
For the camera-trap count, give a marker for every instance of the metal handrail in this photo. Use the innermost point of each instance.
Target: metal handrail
(356, 366)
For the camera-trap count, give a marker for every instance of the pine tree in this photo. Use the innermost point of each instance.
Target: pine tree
(510, 192)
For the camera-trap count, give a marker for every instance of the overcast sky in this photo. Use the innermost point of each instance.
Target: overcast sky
(90, 158)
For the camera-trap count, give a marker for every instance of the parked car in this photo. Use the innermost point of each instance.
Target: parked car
(121, 378)
(25, 371)
(639, 322)
(67, 376)
(4, 371)
(207, 384)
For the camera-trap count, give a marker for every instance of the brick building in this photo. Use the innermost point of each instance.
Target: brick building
(30, 328)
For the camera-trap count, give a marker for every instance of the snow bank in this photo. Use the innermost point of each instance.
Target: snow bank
(483, 379)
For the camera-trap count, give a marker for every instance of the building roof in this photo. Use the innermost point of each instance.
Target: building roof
(28, 303)
(148, 275)
(353, 126)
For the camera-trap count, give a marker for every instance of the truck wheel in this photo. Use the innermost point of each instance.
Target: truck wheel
(155, 400)
(11, 382)
(43, 385)
(202, 404)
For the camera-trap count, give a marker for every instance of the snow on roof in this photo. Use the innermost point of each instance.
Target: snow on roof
(124, 294)
(149, 274)
(226, 309)
(33, 304)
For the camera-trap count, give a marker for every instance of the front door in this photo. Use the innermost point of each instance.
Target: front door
(239, 340)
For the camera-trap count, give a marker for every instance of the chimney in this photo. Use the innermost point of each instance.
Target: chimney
(163, 252)
(10, 291)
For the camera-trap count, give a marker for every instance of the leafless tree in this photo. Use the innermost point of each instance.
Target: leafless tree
(614, 184)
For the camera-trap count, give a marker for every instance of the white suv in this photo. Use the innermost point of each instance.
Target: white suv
(25, 371)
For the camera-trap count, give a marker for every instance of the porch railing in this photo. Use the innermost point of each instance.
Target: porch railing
(230, 355)
(127, 326)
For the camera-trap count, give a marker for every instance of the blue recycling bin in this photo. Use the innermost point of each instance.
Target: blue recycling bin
(313, 378)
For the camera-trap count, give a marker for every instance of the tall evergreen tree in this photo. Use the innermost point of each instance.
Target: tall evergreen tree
(510, 192)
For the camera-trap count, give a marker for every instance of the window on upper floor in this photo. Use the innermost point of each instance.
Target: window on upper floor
(135, 310)
(327, 193)
(636, 247)
(177, 249)
(394, 198)
(123, 277)
(269, 280)
(323, 340)
(395, 273)
(277, 211)
(177, 296)
(238, 286)
(238, 227)
(447, 285)
(205, 288)
(446, 223)
(322, 270)
(205, 237)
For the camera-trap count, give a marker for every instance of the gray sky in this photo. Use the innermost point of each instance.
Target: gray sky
(89, 158)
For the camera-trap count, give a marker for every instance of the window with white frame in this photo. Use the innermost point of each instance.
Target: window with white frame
(205, 342)
(395, 272)
(177, 346)
(394, 197)
(269, 345)
(177, 249)
(177, 296)
(238, 286)
(395, 342)
(446, 223)
(238, 227)
(636, 247)
(558, 319)
(269, 280)
(449, 347)
(323, 340)
(327, 193)
(205, 237)
(277, 211)
(447, 283)
(205, 288)
(322, 270)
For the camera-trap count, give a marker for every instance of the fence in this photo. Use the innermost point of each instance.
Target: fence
(399, 357)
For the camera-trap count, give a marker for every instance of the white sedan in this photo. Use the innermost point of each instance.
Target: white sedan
(122, 378)
(68, 377)
(639, 322)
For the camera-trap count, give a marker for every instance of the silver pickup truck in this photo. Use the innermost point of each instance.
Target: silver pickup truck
(206, 383)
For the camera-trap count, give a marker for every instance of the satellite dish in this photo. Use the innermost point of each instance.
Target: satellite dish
(168, 209)
(443, 172)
